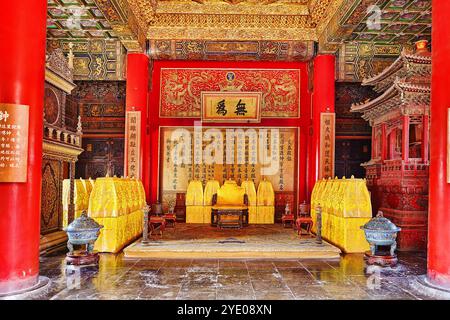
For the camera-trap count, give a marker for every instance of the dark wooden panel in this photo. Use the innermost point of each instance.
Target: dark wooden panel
(51, 207)
(101, 156)
(350, 154)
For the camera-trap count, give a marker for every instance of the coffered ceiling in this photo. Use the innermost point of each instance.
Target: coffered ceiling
(77, 19)
(386, 22)
(330, 22)
(402, 21)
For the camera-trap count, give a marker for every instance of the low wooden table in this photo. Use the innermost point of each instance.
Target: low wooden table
(304, 220)
(287, 218)
(157, 223)
(229, 218)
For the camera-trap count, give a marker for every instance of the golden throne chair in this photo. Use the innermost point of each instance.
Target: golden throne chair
(230, 206)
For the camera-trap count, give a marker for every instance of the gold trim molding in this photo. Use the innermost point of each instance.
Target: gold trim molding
(165, 33)
(58, 81)
(233, 19)
(61, 151)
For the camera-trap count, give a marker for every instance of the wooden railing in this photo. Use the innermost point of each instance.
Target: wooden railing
(55, 133)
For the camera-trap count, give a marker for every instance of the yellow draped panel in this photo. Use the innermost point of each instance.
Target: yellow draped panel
(265, 195)
(250, 190)
(116, 203)
(194, 193)
(210, 189)
(207, 214)
(252, 214)
(194, 214)
(265, 215)
(117, 232)
(82, 191)
(346, 207)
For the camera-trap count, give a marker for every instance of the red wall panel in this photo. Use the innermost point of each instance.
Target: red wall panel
(155, 122)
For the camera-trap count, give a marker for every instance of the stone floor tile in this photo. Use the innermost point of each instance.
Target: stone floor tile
(196, 295)
(274, 295)
(118, 278)
(309, 292)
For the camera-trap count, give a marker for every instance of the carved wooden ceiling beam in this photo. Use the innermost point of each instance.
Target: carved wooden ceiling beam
(231, 50)
(233, 20)
(124, 23)
(347, 17)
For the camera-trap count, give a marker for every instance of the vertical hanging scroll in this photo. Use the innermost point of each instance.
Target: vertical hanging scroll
(327, 144)
(132, 144)
(14, 120)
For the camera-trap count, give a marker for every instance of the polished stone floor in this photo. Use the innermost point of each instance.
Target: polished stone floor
(199, 241)
(119, 278)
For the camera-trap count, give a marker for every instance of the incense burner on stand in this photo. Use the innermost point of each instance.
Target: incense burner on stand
(82, 231)
(381, 232)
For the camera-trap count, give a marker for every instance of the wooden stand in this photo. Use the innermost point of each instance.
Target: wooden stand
(381, 259)
(82, 258)
(287, 220)
(304, 221)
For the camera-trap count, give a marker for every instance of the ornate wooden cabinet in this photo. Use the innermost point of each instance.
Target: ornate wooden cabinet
(61, 147)
(397, 173)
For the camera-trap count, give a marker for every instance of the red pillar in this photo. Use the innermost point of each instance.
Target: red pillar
(426, 138)
(323, 101)
(405, 139)
(136, 100)
(384, 144)
(439, 204)
(22, 76)
(374, 143)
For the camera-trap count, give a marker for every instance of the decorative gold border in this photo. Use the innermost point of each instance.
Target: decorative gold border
(21, 115)
(58, 81)
(233, 69)
(255, 119)
(68, 152)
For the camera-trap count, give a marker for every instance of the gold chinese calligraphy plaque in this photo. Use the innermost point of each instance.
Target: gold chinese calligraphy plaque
(237, 107)
(132, 144)
(14, 120)
(327, 145)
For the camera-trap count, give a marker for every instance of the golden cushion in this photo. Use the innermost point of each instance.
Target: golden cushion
(230, 194)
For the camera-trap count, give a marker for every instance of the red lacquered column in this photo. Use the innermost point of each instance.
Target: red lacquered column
(384, 144)
(323, 101)
(426, 138)
(22, 76)
(439, 203)
(374, 143)
(405, 139)
(136, 100)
